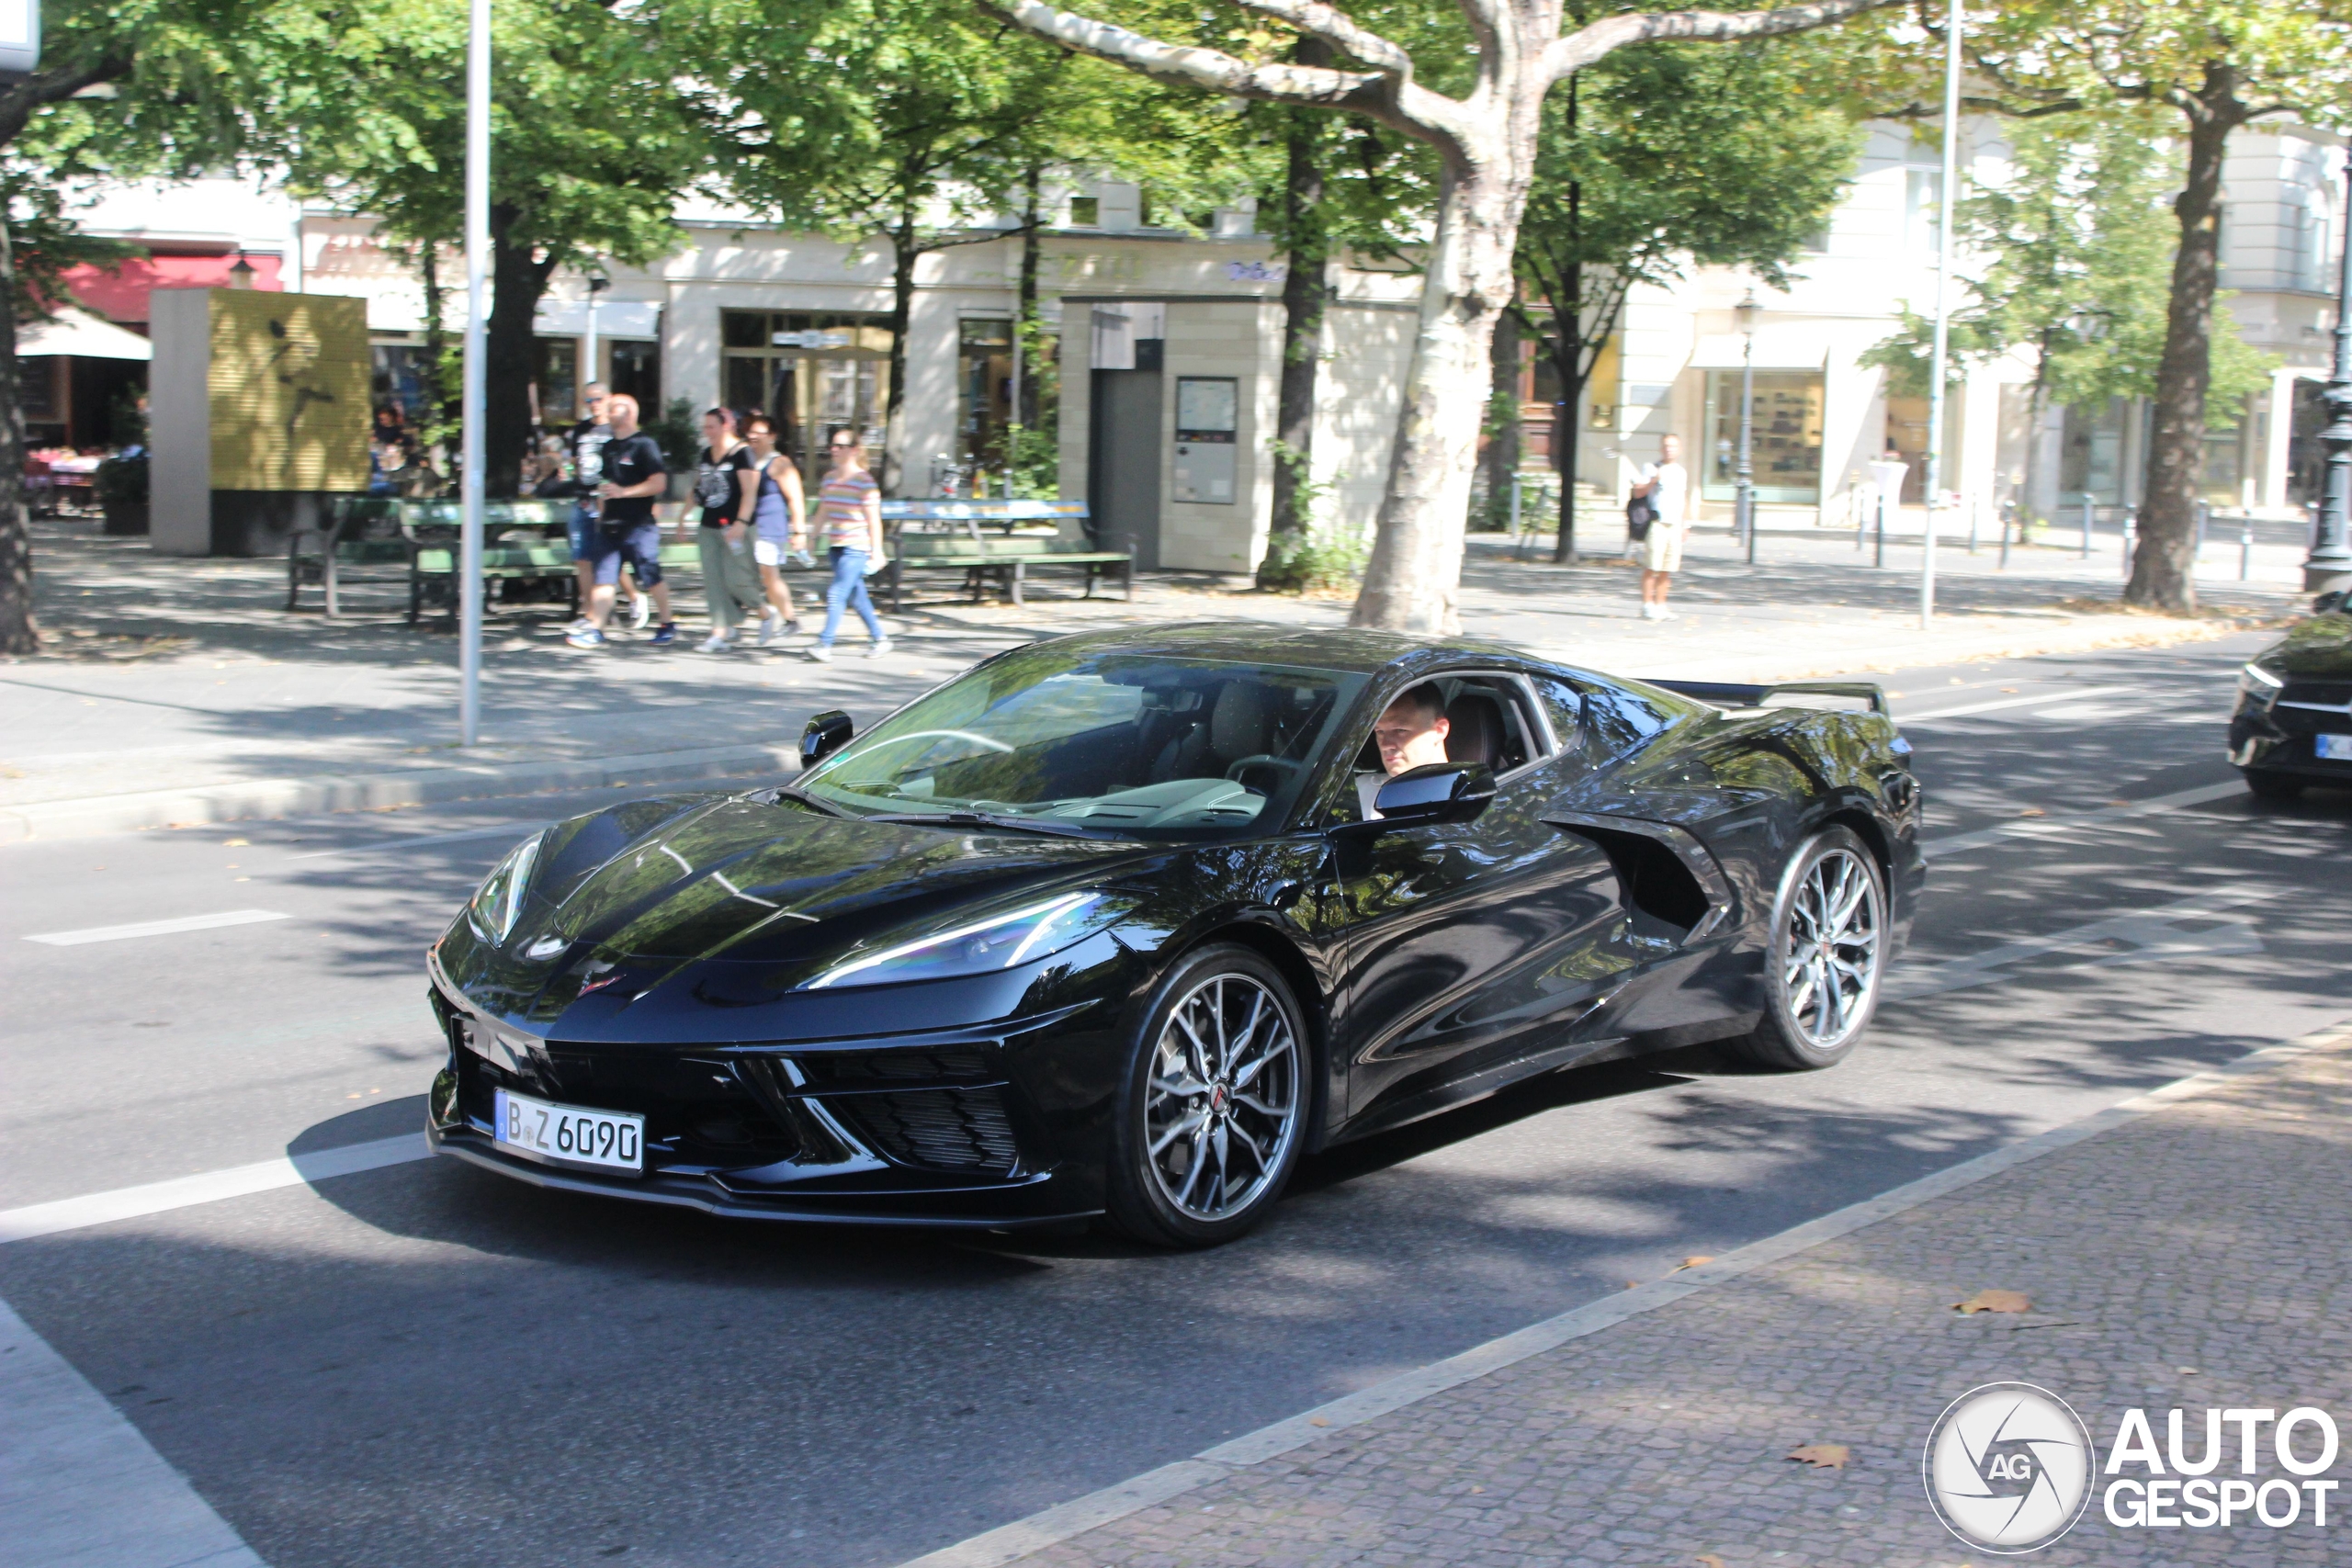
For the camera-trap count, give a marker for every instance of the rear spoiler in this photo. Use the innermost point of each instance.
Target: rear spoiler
(1827, 696)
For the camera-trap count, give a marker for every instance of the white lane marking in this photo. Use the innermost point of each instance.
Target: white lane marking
(186, 1192)
(1009, 1543)
(2150, 934)
(79, 1486)
(520, 829)
(2049, 827)
(160, 927)
(2036, 700)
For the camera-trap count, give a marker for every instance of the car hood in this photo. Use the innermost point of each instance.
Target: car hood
(749, 879)
(2317, 649)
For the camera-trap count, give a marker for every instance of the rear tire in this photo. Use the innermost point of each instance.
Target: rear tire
(2271, 786)
(1827, 954)
(1213, 1111)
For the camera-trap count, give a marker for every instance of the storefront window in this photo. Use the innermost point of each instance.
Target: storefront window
(808, 372)
(557, 373)
(983, 393)
(2090, 460)
(1784, 437)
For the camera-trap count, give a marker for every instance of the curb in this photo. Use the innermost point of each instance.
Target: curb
(257, 798)
(1965, 643)
(1009, 1543)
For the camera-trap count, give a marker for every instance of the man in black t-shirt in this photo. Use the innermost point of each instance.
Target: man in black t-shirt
(585, 444)
(634, 474)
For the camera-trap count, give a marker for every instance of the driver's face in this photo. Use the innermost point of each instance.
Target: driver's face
(1409, 738)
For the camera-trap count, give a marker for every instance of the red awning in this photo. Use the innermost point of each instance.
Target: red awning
(120, 293)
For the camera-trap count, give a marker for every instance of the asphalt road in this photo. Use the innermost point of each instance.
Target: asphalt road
(427, 1364)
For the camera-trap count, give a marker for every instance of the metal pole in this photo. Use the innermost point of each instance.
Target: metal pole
(2204, 517)
(1878, 556)
(595, 296)
(1744, 475)
(2087, 524)
(2329, 565)
(475, 390)
(2006, 514)
(2245, 549)
(2131, 538)
(1947, 237)
(1517, 500)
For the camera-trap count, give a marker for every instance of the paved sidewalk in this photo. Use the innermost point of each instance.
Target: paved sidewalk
(2188, 1257)
(177, 691)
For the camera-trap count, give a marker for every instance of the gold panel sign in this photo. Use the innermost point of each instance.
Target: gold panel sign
(289, 391)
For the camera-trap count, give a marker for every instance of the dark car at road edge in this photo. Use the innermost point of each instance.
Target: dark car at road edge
(1127, 923)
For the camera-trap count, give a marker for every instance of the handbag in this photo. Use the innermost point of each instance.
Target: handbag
(1640, 513)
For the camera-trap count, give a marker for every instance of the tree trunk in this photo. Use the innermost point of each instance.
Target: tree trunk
(1304, 297)
(903, 257)
(517, 279)
(1500, 461)
(1412, 582)
(2162, 566)
(1027, 331)
(19, 633)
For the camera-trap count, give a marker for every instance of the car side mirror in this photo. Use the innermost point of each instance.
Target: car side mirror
(826, 734)
(1435, 792)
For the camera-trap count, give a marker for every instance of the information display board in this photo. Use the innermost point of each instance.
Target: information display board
(1208, 421)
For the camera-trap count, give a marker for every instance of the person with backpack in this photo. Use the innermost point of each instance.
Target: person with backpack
(1655, 523)
(728, 583)
(778, 511)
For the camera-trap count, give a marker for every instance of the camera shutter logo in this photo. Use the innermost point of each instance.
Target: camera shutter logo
(2008, 1467)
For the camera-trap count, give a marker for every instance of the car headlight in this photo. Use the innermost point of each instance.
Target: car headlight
(2259, 686)
(499, 901)
(979, 947)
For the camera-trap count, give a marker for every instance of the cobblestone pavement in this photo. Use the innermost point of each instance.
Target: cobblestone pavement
(2191, 1257)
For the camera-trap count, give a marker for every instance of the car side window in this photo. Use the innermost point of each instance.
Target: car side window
(1489, 719)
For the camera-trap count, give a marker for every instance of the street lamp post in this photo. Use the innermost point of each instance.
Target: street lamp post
(2329, 565)
(1744, 475)
(1947, 236)
(591, 371)
(474, 387)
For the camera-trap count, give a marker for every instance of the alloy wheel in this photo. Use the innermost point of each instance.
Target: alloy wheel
(1222, 1106)
(1831, 968)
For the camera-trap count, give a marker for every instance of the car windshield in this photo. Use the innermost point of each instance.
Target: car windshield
(1133, 744)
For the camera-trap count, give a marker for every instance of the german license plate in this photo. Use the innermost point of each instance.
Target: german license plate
(569, 1134)
(2334, 747)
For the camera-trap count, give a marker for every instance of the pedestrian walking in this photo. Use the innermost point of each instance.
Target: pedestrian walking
(729, 583)
(779, 512)
(849, 512)
(585, 445)
(1666, 486)
(626, 533)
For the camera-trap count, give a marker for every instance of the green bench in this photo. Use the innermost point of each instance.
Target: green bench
(416, 543)
(992, 543)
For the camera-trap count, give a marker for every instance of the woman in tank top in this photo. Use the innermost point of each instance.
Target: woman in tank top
(777, 508)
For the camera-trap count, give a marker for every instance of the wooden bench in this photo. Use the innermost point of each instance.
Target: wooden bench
(992, 542)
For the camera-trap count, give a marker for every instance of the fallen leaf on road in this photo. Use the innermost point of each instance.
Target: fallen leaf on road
(1822, 1456)
(1995, 1301)
(1317, 1421)
(1694, 1262)
(1709, 1560)
(234, 843)
(2034, 811)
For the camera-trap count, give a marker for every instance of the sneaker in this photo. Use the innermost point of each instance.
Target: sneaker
(880, 645)
(718, 642)
(666, 634)
(585, 636)
(821, 653)
(772, 627)
(640, 610)
(1649, 611)
(1666, 614)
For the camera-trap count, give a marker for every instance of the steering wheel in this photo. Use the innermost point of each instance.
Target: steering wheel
(1284, 769)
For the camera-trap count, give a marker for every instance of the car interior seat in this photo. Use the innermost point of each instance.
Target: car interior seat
(1475, 729)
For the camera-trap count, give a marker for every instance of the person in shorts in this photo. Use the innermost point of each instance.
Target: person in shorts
(584, 445)
(779, 509)
(635, 473)
(1667, 485)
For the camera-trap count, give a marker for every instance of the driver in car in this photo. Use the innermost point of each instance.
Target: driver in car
(1410, 733)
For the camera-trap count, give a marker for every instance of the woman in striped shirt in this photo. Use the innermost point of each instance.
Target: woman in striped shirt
(849, 512)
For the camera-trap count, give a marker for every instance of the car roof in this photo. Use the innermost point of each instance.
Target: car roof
(1345, 649)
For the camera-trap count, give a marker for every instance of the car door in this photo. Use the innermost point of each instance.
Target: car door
(1471, 947)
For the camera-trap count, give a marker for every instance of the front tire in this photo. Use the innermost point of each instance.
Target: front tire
(1829, 951)
(2271, 786)
(1212, 1110)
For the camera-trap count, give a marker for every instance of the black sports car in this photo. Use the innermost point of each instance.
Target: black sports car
(2293, 723)
(1127, 923)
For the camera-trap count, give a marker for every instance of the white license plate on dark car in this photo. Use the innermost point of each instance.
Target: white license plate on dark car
(2334, 747)
(571, 1135)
